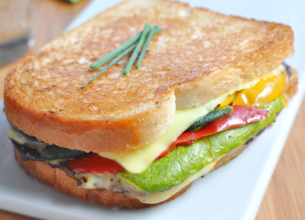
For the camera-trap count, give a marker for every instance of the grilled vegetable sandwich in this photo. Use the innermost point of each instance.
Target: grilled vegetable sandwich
(206, 85)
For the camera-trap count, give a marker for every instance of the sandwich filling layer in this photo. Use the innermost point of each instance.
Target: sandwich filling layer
(169, 173)
(138, 160)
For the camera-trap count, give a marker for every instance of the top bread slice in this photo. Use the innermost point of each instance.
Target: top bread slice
(196, 57)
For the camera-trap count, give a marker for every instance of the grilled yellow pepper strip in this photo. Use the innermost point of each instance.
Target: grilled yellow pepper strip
(263, 93)
(260, 95)
(228, 100)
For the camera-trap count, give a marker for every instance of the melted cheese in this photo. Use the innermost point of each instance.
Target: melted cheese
(20, 139)
(117, 184)
(138, 160)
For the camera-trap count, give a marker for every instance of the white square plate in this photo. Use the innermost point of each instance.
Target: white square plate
(233, 191)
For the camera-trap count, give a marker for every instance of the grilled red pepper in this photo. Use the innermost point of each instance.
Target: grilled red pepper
(240, 115)
(93, 163)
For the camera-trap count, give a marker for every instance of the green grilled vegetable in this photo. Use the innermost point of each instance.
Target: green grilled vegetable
(72, 1)
(223, 142)
(174, 168)
(53, 152)
(213, 115)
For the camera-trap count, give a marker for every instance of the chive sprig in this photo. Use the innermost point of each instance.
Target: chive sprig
(114, 53)
(114, 61)
(155, 29)
(137, 49)
(134, 44)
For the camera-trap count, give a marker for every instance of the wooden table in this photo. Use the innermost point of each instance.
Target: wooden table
(285, 196)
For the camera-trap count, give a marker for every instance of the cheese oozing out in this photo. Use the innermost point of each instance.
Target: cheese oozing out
(138, 160)
(117, 184)
(13, 135)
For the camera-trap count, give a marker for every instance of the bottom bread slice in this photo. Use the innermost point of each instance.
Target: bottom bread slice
(60, 181)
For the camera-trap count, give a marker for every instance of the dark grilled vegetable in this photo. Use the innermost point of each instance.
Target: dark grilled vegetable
(72, 1)
(26, 152)
(211, 116)
(288, 69)
(53, 152)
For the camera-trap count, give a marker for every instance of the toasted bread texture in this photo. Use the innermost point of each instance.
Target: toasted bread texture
(196, 57)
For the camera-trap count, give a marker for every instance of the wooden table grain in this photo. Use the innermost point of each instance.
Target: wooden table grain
(285, 196)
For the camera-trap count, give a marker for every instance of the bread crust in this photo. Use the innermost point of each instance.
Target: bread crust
(198, 55)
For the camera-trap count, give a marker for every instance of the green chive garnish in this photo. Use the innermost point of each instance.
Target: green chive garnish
(154, 30)
(137, 49)
(114, 61)
(97, 64)
(135, 44)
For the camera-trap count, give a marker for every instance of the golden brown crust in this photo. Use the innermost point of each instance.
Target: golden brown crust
(92, 135)
(60, 181)
(198, 55)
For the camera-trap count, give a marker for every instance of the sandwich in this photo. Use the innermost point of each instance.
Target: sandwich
(207, 86)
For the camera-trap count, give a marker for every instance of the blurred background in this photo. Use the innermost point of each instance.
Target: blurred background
(17, 34)
(26, 25)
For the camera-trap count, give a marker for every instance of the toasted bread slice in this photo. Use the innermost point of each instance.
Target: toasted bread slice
(196, 57)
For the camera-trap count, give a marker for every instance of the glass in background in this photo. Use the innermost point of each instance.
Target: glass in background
(16, 29)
